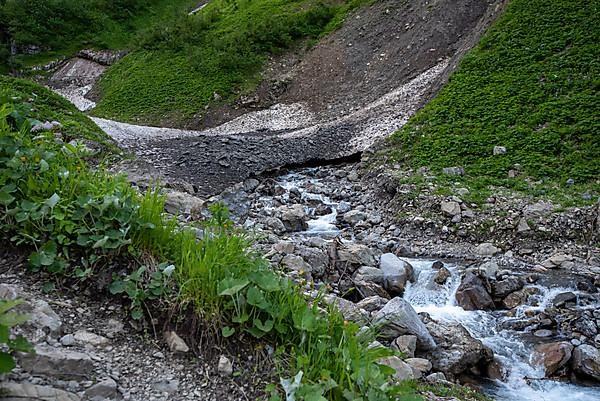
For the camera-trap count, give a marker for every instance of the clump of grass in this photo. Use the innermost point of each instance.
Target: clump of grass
(178, 67)
(530, 86)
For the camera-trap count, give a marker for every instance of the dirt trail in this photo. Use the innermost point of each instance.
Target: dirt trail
(360, 84)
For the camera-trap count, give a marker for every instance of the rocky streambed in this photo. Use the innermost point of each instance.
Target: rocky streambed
(479, 316)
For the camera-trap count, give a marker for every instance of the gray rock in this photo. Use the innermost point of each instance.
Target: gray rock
(502, 288)
(68, 340)
(420, 366)
(344, 207)
(499, 150)
(284, 246)
(354, 216)
(183, 203)
(372, 303)
(562, 298)
(293, 217)
(403, 370)
(275, 224)
(175, 343)
(396, 273)
(357, 255)
(523, 226)
(543, 333)
(586, 361)
(489, 269)
(442, 276)
(486, 249)
(85, 337)
(473, 293)
(225, 367)
(407, 345)
(398, 317)
(370, 289)
(31, 392)
(538, 209)
(170, 386)
(56, 362)
(457, 350)
(451, 208)
(42, 316)
(453, 171)
(296, 263)
(368, 273)
(349, 310)
(437, 377)
(251, 184)
(8, 292)
(106, 389)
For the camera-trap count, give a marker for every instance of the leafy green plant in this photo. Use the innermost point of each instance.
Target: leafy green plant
(144, 285)
(8, 344)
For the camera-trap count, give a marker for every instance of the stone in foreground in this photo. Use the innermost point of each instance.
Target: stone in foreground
(398, 317)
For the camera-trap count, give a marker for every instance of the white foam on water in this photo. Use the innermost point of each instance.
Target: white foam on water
(525, 381)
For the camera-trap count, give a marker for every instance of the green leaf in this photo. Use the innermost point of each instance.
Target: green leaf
(266, 280)
(6, 362)
(305, 320)
(101, 243)
(12, 319)
(227, 331)
(117, 287)
(240, 319)
(6, 198)
(256, 298)
(8, 304)
(137, 314)
(20, 344)
(44, 166)
(267, 326)
(231, 286)
(52, 201)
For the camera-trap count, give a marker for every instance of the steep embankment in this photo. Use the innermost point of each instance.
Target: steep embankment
(522, 110)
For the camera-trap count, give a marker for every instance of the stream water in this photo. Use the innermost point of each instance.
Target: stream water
(524, 381)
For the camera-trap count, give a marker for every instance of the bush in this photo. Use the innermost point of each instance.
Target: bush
(8, 344)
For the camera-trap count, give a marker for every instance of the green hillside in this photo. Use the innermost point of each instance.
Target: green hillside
(531, 86)
(177, 69)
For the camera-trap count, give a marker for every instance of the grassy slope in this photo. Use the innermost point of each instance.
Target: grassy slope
(48, 106)
(531, 85)
(178, 68)
(63, 27)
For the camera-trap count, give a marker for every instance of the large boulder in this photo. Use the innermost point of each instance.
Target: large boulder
(398, 317)
(457, 350)
(502, 288)
(10, 391)
(293, 217)
(553, 356)
(473, 293)
(586, 361)
(396, 273)
(356, 255)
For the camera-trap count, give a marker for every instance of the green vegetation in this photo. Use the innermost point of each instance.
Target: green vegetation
(531, 85)
(80, 223)
(177, 68)
(8, 345)
(42, 104)
(62, 27)
(462, 393)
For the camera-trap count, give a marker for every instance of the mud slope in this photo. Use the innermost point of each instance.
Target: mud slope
(361, 83)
